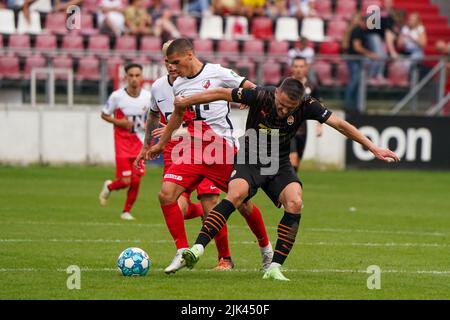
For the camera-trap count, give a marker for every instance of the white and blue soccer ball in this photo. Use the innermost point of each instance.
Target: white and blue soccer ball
(133, 262)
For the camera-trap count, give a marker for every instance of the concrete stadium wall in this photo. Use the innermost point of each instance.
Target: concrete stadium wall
(79, 135)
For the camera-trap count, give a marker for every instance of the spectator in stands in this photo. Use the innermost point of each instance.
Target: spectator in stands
(301, 49)
(413, 37)
(62, 5)
(137, 20)
(198, 7)
(162, 18)
(442, 47)
(381, 41)
(251, 8)
(354, 43)
(110, 16)
(21, 5)
(225, 7)
(276, 8)
(302, 8)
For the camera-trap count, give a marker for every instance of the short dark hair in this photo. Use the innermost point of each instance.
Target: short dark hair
(293, 88)
(179, 46)
(132, 65)
(298, 58)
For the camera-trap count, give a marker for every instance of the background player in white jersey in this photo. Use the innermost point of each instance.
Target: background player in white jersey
(195, 76)
(126, 109)
(160, 110)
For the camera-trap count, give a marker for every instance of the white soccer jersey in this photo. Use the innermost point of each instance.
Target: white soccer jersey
(121, 105)
(162, 98)
(215, 114)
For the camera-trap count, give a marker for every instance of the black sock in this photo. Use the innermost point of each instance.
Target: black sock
(287, 230)
(214, 222)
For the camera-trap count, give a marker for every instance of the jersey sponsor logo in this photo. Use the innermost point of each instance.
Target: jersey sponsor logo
(173, 176)
(308, 90)
(206, 84)
(324, 113)
(290, 120)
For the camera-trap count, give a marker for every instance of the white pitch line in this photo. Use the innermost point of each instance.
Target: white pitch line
(160, 225)
(87, 269)
(320, 243)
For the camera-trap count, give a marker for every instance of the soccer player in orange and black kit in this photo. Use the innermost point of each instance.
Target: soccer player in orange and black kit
(273, 112)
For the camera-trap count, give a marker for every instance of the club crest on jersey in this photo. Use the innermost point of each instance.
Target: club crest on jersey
(206, 84)
(290, 120)
(308, 90)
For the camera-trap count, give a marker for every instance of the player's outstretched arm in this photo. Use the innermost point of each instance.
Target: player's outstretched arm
(204, 97)
(353, 133)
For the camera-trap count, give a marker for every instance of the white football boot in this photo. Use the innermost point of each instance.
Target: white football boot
(105, 193)
(177, 262)
(266, 256)
(127, 216)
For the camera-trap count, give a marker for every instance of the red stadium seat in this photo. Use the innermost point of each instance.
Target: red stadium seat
(187, 26)
(87, 25)
(151, 44)
(324, 72)
(88, 68)
(9, 67)
(253, 47)
(336, 29)
(99, 45)
(73, 45)
(246, 68)
(262, 28)
(278, 50)
(35, 61)
(324, 8)
(329, 48)
(126, 46)
(271, 72)
(173, 5)
(398, 74)
(62, 62)
(203, 46)
(20, 43)
(342, 76)
(46, 44)
(55, 22)
(345, 8)
(111, 65)
(90, 6)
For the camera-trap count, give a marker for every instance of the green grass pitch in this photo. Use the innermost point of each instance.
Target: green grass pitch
(50, 219)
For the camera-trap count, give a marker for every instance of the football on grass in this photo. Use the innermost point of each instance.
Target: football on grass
(133, 262)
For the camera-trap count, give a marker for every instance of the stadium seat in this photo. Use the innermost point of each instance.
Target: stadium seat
(236, 27)
(324, 72)
(9, 67)
(203, 48)
(89, 6)
(271, 71)
(173, 5)
(246, 68)
(286, 29)
(336, 29)
(20, 43)
(65, 62)
(324, 8)
(278, 50)
(73, 45)
(7, 24)
(111, 64)
(46, 44)
(253, 48)
(342, 76)
(33, 27)
(99, 45)
(262, 28)
(35, 61)
(88, 68)
(126, 46)
(55, 22)
(313, 29)
(345, 8)
(329, 48)
(187, 25)
(150, 44)
(228, 46)
(43, 6)
(211, 27)
(398, 74)
(86, 25)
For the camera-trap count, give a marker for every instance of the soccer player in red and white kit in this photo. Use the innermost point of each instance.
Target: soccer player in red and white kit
(127, 109)
(198, 76)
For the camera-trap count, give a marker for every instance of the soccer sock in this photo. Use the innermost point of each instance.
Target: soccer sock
(175, 224)
(256, 224)
(132, 193)
(117, 185)
(221, 239)
(215, 221)
(287, 230)
(194, 210)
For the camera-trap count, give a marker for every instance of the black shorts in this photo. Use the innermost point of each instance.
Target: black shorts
(272, 185)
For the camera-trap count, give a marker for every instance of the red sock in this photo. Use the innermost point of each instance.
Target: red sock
(194, 210)
(175, 224)
(256, 224)
(117, 185)
(132, 193)
(221, 239)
